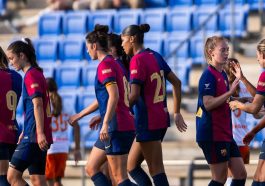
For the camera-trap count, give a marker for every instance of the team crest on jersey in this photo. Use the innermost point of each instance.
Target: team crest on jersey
(207, 86)
(260, 83)
(105, 71)
(134, 71)
(34, 85)
(223, 152)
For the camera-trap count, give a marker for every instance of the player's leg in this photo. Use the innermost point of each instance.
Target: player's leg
(217, 155)
(259, 176)
(6, 152)
(236, 164)
(18, 164)
(117, 154)
(135, 158)
(95, 160)
(38, 165)
(152, 152)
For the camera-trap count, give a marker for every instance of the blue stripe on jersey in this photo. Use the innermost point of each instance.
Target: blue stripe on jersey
(138, 110)
(260, 93)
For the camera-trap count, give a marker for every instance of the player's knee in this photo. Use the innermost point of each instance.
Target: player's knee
(91, 170)
(12, 178)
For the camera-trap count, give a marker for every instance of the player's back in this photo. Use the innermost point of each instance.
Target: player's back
(110, 70)
(10, 92)
(149, 70)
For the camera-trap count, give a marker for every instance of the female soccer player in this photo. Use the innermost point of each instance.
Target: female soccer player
(254, 108)
(36, 137)
(117, 127)
(148, 75)
(11, 87)
(241, 121)
(213, 118)
(57, 154)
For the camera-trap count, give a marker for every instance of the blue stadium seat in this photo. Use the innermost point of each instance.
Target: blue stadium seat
(172, 41)
(196, 50)
(181, 67)
(75, 23)
(241, 14)
(69, 99)
(46, 50)
(179, 20)
(254, 4)
(154, 42)
(103, 17)
(68, 76)
(88, 75)
(72, 49)
(176, 3)
(201, 14)
(50, 24)
(155, 18)
(206, 2)
(88, 136)
(155, 3)
(126, 17)
(3, 6)
(86, 98)
(48, 70)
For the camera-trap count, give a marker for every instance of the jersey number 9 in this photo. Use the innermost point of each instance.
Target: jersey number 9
(11, 102)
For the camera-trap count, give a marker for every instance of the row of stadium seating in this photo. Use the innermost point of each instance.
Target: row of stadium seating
(2, 6)
(254, 4)
(177, 20)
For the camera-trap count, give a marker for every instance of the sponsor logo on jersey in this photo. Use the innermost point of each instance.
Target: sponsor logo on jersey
(105, 71)
(134, 71)
(34, 85)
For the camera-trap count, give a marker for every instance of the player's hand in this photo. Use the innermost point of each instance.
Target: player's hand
(103, 135)
(77, 155)
(179, 121)
(234, 105)
(43, 144)
(234, 86)
(73, 119)
(20, 137)
(248, 137)
(236, 70)
(94, 122)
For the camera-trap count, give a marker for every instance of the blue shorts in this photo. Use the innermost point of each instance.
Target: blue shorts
(150, 135)
(119, 143)
(6, 151)
(218, 152)
(29, 155)
(262, 151)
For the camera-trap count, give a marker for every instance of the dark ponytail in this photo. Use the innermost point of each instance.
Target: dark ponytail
(3, 59)
(25, 46)
(115, 41)
(136, 30)
(56, 99)
(99, 35)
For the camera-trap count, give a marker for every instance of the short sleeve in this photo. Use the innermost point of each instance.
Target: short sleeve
(33, 85)
(261, 84)
(137, 73)
(207, 84)
(106, 72)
